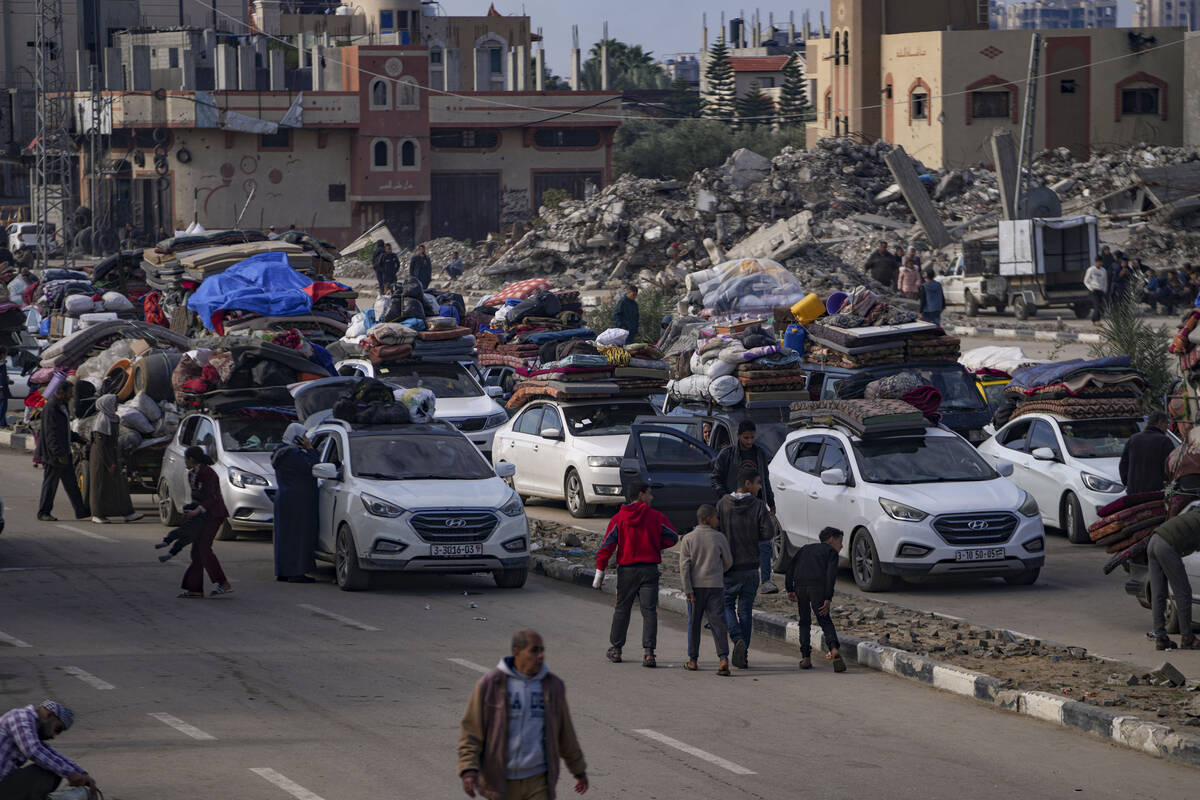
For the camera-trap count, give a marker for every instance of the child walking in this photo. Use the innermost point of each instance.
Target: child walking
(704, 558)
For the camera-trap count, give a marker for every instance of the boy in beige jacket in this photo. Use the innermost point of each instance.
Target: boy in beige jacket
(704, 557)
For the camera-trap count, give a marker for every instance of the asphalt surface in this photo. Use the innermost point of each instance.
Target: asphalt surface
(303, 691)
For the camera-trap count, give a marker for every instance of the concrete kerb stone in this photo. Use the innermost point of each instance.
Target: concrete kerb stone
(17, 441)
(1131, 732)
(1034, 334)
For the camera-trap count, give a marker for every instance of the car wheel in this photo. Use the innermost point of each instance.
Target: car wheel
(511, 578)
(1021, 308)
(349, 575)
(864, 563)
(226, 533)
(1026, 578)
(971, 303)
(777, 543)
(577, 502)
(1072, 521)
(168, 514)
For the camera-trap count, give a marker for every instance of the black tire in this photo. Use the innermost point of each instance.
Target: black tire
(971, 303)
(168, 513)
(161, 135)
(1026, 578)
(349, 575)
(1000, 306)
(1071, 518)
(183, 155)
(226, 533)
(864, 564)
(152, 375)
(577, 502)
(1021, 308)
(511, 578)
(1171, 619)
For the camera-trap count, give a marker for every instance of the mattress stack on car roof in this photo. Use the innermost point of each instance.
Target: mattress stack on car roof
(867, 331)
(746, 363)
(864, 418)
(589, 371)
(523, 325)
(1077, 389)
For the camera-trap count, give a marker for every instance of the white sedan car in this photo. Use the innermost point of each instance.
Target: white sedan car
(569, 450)
(1069, 466)
(909, 504)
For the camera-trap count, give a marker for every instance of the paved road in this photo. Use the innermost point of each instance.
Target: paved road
(285, 691)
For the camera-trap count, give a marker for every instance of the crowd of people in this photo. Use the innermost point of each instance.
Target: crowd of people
(907, 275)
(386, 264)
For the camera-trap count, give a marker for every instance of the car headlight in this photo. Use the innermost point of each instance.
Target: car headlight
(378, 507)
(1029, 506)
(514, 507)
(604, 461)
(496, 420)
(1098, 484)
(241, 479)
(900, 511)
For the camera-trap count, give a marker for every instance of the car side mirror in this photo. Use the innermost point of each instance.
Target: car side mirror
(833, 477)
(506, 469)
(326, 472)
(552, 433)
(1044, 454)
(493, 391)
(1005, 468)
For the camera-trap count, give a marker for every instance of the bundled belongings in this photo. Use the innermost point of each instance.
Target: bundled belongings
(1127, 521)
(372, 402)
(744, 286)
(608, 372)
(1077, 389)
(247, 366)
(864, 418)
(730, 368)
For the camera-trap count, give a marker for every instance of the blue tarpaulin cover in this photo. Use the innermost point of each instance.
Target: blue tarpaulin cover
(265, 284)
(1055, 372)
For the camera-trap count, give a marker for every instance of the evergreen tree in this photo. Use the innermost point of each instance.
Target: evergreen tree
(721, 98)
(756, 107)
(682, 101)
(793, 98)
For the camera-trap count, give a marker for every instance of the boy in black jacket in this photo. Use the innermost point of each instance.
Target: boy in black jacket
(810, 579)
(746, 522)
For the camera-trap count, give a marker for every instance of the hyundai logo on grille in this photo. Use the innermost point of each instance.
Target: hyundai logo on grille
(977, 524)
(456, 522)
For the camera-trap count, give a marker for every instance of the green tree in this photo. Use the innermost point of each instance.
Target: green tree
(629, 67)
(683, 101)
(663, 149)
(793, 98)
(551, 81)
(720, 101)
(756, 107)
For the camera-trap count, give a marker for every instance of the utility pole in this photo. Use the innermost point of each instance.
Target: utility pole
(1025, 155)
(52, 151)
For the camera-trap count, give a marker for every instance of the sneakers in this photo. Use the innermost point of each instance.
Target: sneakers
(723, 668)
(768, 587)
(839, 664)
(806, 663)
(46, 518)
(741, 654)
(613, 655)
(1164, 643)
(134, 517)
(100, 520)
(648, 661)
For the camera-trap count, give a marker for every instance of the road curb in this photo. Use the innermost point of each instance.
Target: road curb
(1025, 333)
(1132, 732)
(17, 441)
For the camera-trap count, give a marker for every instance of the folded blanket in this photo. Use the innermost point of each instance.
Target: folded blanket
(442, 335)
(1128, 501)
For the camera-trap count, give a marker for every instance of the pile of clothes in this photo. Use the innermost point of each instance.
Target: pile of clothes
(522, 325)
(592, 369)
(867, 331)
(731, 368)
(442, 340)
(742, 286)
(373, 402)
(231, 369)
(1076, 389)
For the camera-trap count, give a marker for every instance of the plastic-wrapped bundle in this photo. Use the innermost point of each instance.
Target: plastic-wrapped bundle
(693, 387)
(95, 368)
(727, 390)
(750, 284)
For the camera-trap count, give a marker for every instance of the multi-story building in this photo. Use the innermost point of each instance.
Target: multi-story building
(939, 82)
(1164, 13)
(1050, 14)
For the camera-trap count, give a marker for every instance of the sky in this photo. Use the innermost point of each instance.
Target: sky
(665, 27)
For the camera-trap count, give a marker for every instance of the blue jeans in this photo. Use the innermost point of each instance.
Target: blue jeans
(740, 588)
(932, 316)
(764, 561)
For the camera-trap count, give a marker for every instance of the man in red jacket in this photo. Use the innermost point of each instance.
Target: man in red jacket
(638, 534)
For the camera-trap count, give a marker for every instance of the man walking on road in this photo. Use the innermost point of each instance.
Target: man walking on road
(54, 451)
(703, 559)
(638, 534)
(421, 268)
(1170, 543)
(883, 266)
(746, 523)
(810, 580)
(22, 733)
(516, 728)
(740, 455)
(1143, 464)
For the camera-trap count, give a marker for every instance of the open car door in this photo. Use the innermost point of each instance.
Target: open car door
(674, 464)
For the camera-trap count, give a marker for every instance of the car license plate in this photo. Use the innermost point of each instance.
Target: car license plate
(988, 554)
(456, 550)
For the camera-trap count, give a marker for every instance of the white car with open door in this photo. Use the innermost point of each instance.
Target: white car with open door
(1070, 466)
(913, 504)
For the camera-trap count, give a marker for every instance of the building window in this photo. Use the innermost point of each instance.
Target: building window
(887, 91)
(337, 192)
(381, 155)
(173, 57)
(846, 50)
(1067, 86)
(837, 48)
(1142, 100)
(766, 83)
(280, 140)
(566, 137)
(407, 93)
(435, 56)
(387, 21)
(496, 57)
(919, 104)
(380, 94)
(828, 104)
(408, 153)
(401, 20)
(464, 139)
(991, 105)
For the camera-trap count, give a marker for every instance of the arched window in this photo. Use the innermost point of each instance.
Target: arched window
(380, 94)
(846, 49)
(407, 93)
(837, 48)
(408, 154)
(381, 154)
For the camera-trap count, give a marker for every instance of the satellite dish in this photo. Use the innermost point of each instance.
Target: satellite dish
(1040, 202)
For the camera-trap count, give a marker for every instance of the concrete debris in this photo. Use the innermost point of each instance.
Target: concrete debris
(1167, 675)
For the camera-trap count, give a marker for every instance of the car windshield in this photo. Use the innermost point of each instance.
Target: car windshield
(920, 459)
(412, 457)
(960, 391)
(252, 435)
(609, 419)
(995, 394)
(1098, 438)
(444, 380)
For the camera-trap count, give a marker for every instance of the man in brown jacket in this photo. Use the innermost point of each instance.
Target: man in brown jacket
(516, 727)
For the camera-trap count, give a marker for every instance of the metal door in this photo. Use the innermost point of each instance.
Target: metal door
(465, 206)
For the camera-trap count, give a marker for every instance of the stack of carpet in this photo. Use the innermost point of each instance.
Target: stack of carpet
(1128, 520)
(587, 370)
(1077, 389)
(837, 342)
(522, 325)
(864, 417)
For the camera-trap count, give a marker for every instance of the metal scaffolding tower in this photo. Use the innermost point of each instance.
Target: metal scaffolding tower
(52, 148)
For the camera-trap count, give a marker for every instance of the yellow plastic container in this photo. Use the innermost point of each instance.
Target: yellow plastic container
(808, 309)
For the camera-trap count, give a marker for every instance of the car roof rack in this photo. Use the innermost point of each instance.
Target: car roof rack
(864, 418)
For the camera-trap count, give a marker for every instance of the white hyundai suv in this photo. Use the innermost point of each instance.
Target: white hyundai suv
(911, 504)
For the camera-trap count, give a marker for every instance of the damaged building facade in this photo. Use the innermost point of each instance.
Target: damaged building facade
(938, 82)
(367, 142)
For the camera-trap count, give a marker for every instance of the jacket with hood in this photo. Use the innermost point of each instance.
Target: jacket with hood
(500, 741)
(728, 463)
(745, 521)
(638, 534)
